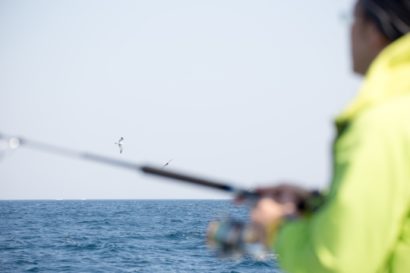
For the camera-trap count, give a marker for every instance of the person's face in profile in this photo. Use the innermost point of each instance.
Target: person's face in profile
(359, 41)
(366, 40)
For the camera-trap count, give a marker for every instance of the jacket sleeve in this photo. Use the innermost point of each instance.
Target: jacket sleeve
(356, 228)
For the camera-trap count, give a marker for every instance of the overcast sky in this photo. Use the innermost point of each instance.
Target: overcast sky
(243, 91)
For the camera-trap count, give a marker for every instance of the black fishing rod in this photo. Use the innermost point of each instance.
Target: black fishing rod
(13, 142)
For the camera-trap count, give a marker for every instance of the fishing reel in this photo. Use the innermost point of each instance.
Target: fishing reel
(231, 238)
(235, 238)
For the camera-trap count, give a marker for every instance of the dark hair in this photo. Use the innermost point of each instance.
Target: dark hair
(391, 17)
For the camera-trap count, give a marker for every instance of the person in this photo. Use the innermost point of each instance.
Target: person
(362, 224)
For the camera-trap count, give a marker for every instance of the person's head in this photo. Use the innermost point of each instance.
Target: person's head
(376, 24)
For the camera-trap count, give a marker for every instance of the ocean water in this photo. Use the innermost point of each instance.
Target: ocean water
(115, 236)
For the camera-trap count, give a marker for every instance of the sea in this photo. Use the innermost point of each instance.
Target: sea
(153, 236)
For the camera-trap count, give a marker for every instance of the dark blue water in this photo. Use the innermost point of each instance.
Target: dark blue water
(115, 236)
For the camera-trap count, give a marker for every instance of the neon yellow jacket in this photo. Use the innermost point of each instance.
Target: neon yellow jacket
(364, 225)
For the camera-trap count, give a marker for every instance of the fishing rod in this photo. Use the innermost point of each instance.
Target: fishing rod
(14, 142)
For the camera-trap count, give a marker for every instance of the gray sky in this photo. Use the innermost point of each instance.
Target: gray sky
(244, 91)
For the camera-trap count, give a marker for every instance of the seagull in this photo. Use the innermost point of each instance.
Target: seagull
(166, 164)
(119, 143)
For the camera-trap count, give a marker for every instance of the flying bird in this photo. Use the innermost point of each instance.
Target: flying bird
(119, 143)
(166, 164)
